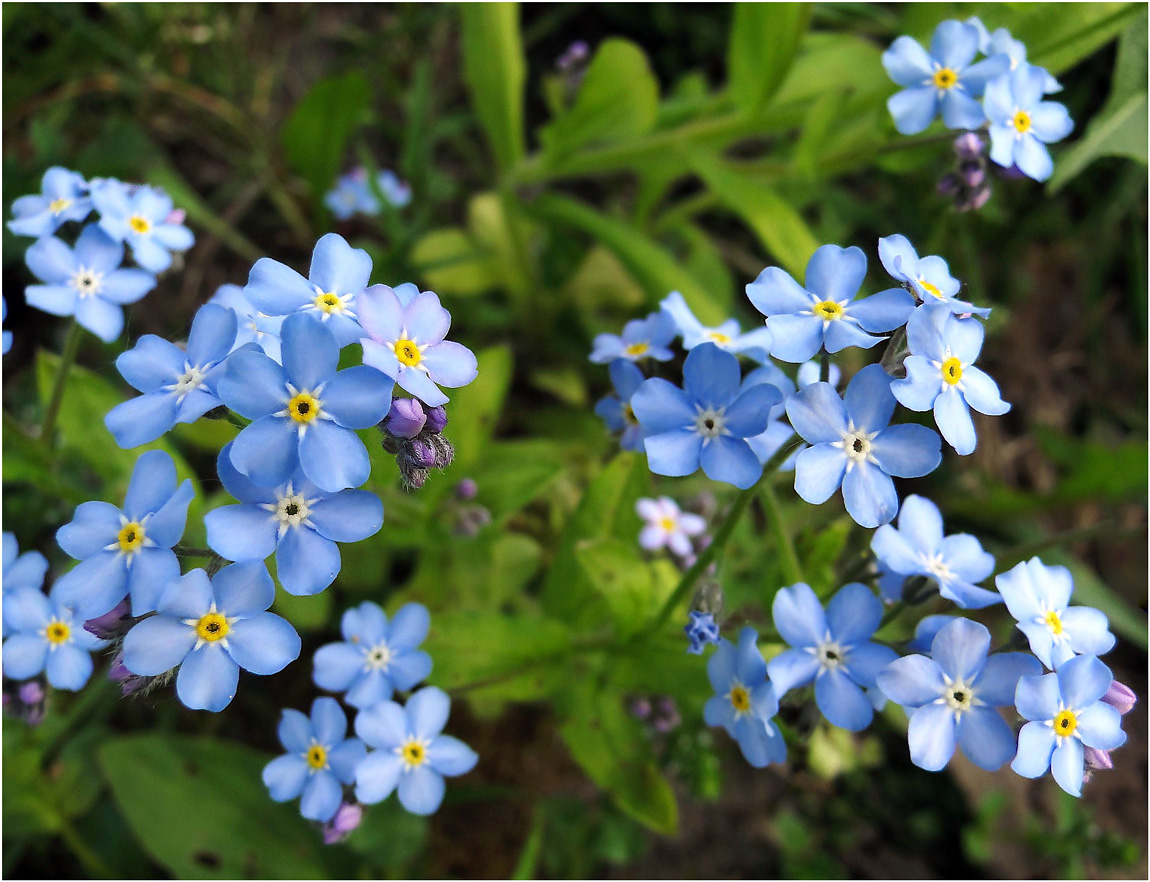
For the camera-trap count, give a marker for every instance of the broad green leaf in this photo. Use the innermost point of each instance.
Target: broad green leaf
(1059, 35)
(316, 135)
(617, 100)
(655, 269)
(606, 509)
(780, 228)
(451, 262)
(475, 408)
(764, 40)
(199, 808)
(495, 68)
(512, 473)
(621, 577)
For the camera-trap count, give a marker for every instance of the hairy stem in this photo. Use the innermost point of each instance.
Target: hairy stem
(71, 348)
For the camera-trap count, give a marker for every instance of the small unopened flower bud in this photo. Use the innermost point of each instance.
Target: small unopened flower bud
(471, 520)
(466, 490)
(640, 708)
(950, 185)
(176, 216)
(666, 716)
(111, 624)
(346, 819)
(968, 146)
(975, 200)
(700, 630)
(576, 53)
(1120, 697)
(406, 418)
(31, 692)
(436, 418)
(422, 453)
(972, 174)
(1098, 759)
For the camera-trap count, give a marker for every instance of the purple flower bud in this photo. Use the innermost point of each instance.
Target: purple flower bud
(406, 418)
(1121, 697)
(466, 490)
(950, 185)
(422, 454)
(968, 146)
(972, 174)
(176, 216)
(31, 692)
(1098, 759)
(640, 708)
(359, 173)
(110, 624)
(347, 817)
(436, 418)
(117, 671)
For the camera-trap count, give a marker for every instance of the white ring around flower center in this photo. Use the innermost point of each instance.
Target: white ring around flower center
(87, 282)
(192, 378)
(936, 566)
(378, 657)
(959, 696)
(856, 444)
(290, 510)
(710, 423)
(830, 655)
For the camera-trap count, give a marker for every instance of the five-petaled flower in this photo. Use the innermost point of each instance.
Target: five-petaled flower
(954, 695)
(304, 412)
(615, 410)
(129, 551)
(1038, 597)
(63, 197)
(648, 337)
(927, 278)
(44, 634)
(320, 759)
(376, 656)
(1067, 715)
(707, 422)
(410, 753)
(142, 217)
(1022, 124)
(825, 313)
(853, 447)
(667, 526)
(211, 628)
(755, 344)
(832, 648)
(745, 702)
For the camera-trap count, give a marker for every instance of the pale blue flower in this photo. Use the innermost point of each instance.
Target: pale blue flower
(754, 344)
(701, 630)
(1002, 42)
(63, 197)
(252, 326)
(641, 338)
(744, 702)
(615, 410)
(667, 526)
(1022, 124)
(928, 278)
(44, 634)
(142, 217)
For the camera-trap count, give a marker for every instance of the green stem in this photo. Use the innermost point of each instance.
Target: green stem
(71, 348)
(687, 583)
(825, 368)
(190, 551)
(236, 420)
(792, 569)
(92, 862)
(891, 614)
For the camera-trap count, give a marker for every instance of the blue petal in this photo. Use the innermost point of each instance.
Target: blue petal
(921, 386)
(868, 399)
(674, 453)
(366, 623)
(285, 776)
(842, 702)
(843, 334)
(818, 414)
(835, 273)
(952, 417)
(336, 666)
(425, 319)
(380, 313)
(1035, 745)
(51, 261)
(450, 364)
(1083, 680)
(749, 414)
(798, 616)
(368, 689)
(774, 292)
(1068, 764)
(264, 644)
(414, 381)
(1089, 630)
(266, 451)
(954, 44)
(985, 738)
(306, 562)
(718, 711)
(377, 776)
(345, 757)
(151, 364)
(94, 585)
(321, 797)
(960, 110)
(931, 736)
(276, 289)
(1033, 159)
(1050, 121)
(153, 483)
(332, 457)
(54, 299)
(358, 397)
(348, 516)
(883, 311)
(868, 494)
(241, 532)
(913, 109)
(151, 571)
(920, 522)
(661, 406)
(450, 756)
(907, 451)
(749, 665)
(93, 527)
(409, 626)
(427, 711)
(1099, 726)
(711, 376)
(207, 679)
(721, 667)
(188, 596)
(751, 734)
(819, 472)
(383, 726)
(294, 731)
(960, 649)
(309, 351)
(981, 392)
(69, 667)
(143, 419)
(421, 790)
(253, 385)
(244, 589)
(853, 614)
(166, 525)
(730, 460)
(898, 256)
(409, 668)
(337, 267)
(1037, 697)
(911, 681)
(795, 338)
(328, 721)
(998, 682)
(906, 62)
(795, 667)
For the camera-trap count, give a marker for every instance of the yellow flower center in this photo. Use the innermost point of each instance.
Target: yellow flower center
(944, 78)
(407, 351)
(1065, 722)
(212, 626)
(828, 310)
(1054, 623)
(952, 371)
(414, 753)
(139, 224)
(58, 205)
(328, 303)
(1022, 122)
(317, 756)
(303, 408)
(720, 338)
(740, 699)
(57, 632)
(668, 524)
(636, 349)
(930, 289)
(130, 537)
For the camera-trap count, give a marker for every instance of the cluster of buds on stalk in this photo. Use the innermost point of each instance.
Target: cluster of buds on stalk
(968, 185)
(413, 433)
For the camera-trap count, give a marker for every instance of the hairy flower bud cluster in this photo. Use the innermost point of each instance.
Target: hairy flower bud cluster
(968, 184)
(413, 432)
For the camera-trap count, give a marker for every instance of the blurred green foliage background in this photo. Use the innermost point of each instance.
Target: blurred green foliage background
(702, 143)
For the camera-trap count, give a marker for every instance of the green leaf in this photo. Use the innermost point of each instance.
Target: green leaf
(774, 221)
(623, 579)
(450, 262)
(655, 269)
(316, 134)
(606, 509)
(495, 68)
(617, 100)
(475, 408)
(764, 40)
(200, 809)
(1060, 35)
(512, 473)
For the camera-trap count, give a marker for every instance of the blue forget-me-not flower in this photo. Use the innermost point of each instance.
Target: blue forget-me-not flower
(1022, 124)
(1002, 42)
(745, 701)
(648, 337)
(925, 631)
(615, 410)
(942, 80)
(405, 339)
(129, 551)
(1038, 597)
(918, 548)
(701, 630)
(178, 385)
(755, 344)
(928, 278)
(707, 422)
(320, 759)
(252, 326)
(832, 648)
(1066, 715)
(852, 446)
(410, 753)
(825, 313)
(211, 628)
(377, 656)
(63, 197)
(297, 521)
(7, 335)
(22, 572)
(767, 443)
(331, 292)
(304, 412)
(141, 216)
(45, 635)
(954, 695)
(85, 281)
